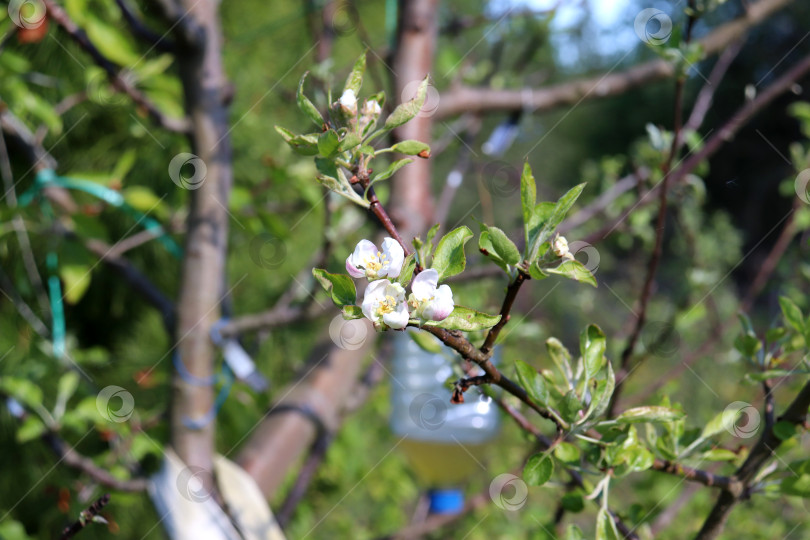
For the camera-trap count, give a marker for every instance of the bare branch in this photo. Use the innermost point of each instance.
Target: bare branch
(72, 458)
(465, 99)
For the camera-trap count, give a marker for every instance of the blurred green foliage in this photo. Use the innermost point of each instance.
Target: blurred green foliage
(720, 228)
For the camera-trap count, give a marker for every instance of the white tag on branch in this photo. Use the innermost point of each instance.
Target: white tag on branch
(242, 365)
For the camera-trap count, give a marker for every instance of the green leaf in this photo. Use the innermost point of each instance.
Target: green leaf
(76, 278)
(486, 247)
(328, 143)
(772, 374)
(572, 270)
(306, 145)
(528, 197)
(538, 470)
(466, 319)
(392, 168)
(355, 79)
(406, 111)
(562, 207)
(306, 105)
(352, 312)
(718, 454)
(408, 266)
(412, 148)
(65, 389)
(339, 286)
(601, 392)
(567, 453)
(605, 526)
(798, 486)
(793, 315)
(570, 406)
(655, 414)
(561, 357)
(747, 344)
(449, 259)
(719, 423)
(426, 342)
(349, 141)
(31, 428)
(23, 390)
(573, 532)
(574, 503)
(533, 382)
(592, 347)
(784, 430)
(503, 246)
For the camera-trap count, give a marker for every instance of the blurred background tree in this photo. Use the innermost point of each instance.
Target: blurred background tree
(734, 239)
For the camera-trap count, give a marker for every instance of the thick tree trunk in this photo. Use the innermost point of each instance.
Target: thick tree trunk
(413, 205)
(204, 85)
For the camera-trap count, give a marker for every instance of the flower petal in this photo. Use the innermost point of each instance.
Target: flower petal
(394, 257)
(424, 284)
(352, 269)
(397, 319)
(375, 292)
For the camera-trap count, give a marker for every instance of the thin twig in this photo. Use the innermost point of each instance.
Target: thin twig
(660, 226)
(86, 516)
(140, 30)
(796, 413)
(60, 17)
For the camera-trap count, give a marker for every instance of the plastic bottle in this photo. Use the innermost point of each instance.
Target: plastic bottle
(443, 442)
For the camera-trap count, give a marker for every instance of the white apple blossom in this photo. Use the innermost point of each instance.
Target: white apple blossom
(348, 102)
(560, 247)
(371, 108)
(367, 261)
(427, 301)
(384, 304)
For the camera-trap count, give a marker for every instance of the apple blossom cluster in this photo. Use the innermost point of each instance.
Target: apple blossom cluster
(384, 302)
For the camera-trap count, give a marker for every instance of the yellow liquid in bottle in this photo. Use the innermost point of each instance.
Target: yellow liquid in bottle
(444, 464)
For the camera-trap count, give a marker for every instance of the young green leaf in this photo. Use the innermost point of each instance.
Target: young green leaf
(538, 469)
(306, 145)
(406, 111)
(412, 148)
(449, 259)
(793, 314)
(533, 382)
(352, 312)
(605, 526)
(528, 197)
(387, 173)
(306, 105)
(570, 406)
(349, 141)
(328, 143)
(562, 207)
(486, 247)
(573, 270)
(561, 357)
(466, 319)
(339, 286)
(503, 246)
(654, 414)
(355, 79)
(592, 346)
(408, 266)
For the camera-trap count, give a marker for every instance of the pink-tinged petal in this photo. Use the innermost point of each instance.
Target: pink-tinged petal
(397, 319)
(352, 269)
(394, 256)
(365, 249)
(375, 292)
(442, 305)
(424, 284)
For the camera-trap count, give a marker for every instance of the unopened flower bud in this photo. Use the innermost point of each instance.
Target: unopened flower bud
(560, 247)
(348, 102)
